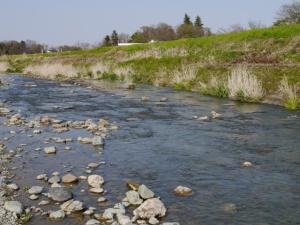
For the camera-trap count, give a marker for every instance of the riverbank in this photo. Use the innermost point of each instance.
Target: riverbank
(260, 65)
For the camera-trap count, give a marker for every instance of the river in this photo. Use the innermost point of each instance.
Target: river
(161, 145)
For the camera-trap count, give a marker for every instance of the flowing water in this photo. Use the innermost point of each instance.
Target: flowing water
(161, 145)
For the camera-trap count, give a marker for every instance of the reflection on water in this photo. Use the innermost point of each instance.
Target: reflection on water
(162, 146)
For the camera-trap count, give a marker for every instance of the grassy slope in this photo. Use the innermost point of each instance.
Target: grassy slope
(270, 53)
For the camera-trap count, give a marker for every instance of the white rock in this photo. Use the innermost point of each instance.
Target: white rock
(50, 150)
(34, 190)
(134, 198)
(95, 181)
(145, 192)
(57, 215)
(97, 190)
(14, 206)
(150, 208)
(33, 197)
(13, 187)
(153, 221)
(72, 206)
(247, 164)
(183, 191)
(98, 141)
(42, 177)
(92, 222)
(123, 220)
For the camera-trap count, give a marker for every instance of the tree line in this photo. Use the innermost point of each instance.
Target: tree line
(160, 32)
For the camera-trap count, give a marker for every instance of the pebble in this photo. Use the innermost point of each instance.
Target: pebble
(33, 197)
(44, 202)
(96, 190)
(101, 199)
(54, 179)
(57, 215)
(93, 165)
(183, 191)
(247, 164)
(35, 190)
(72, 206)
(60, 194)
(95, 181)
(42, 177)
(50, 150)
(69, 178)
(13, 187)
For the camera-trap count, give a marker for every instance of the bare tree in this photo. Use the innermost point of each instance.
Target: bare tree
(288, 14)
(255, 25)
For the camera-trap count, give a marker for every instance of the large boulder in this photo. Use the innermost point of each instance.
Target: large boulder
(150, 208)
(95, 181)
(60, 194)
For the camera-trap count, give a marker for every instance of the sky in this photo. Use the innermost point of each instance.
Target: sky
(58, 22)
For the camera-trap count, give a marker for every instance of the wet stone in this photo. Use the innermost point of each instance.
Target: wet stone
(60, 194)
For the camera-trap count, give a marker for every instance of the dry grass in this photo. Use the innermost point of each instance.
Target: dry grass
(52, 71)
(124, 73)
(215, 87)
(3, 67)
(244, 86)
(100, 68)
(289, 94)
(157, 53)
(184, 73)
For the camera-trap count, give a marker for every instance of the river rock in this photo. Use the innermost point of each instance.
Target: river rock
(153, 221)
(44, 202)
(14, 206)
(163, 99)
(247, 164)
(97, 190)
(50, 150)
(72, 206)
(170, 223)
(85, 140)
(60, 194)
(150, 208)
(42, 177)
(95, 181)
(93, 165)
(54, 179)
(35, 190)
(33, 197)
(13, 187)
(183, 191)
(97, 141)
(145, 192)
(57, 215)
(101, 199)
(134, 198)
(123, 220)
(69, 178)
(215, 115)
(92, 222)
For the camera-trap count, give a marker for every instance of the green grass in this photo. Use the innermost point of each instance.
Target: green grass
(270, 53)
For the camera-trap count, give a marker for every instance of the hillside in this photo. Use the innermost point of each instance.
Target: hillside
(260, 65)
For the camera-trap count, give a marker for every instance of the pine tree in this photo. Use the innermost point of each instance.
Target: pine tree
(198, 22)
(106, 41)
(187, 20)
(114, 38)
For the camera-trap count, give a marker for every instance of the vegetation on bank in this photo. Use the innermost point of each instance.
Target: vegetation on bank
(260, 65)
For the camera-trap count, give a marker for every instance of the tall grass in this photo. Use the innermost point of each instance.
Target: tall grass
(215, 87)
(3, 67)
(289, 94)
(52, 70)
(244, 86)
(182, 76)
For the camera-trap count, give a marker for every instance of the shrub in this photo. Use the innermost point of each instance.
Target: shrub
(215, 87)
(289, 94)
(244, 86)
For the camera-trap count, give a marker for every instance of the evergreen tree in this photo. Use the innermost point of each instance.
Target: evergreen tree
(106, 41)
(114, 38)
(198, 22)
(187, 20)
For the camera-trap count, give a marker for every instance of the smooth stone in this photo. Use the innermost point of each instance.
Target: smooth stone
(44, 202)
(56, 173)
(229, 207)
(33, 197)
(150, 208)
(247, 164)
(14, 206)
(54, 179)
(60, 194)
(163, 99)
(88, 212)
(42, 177)
(123, 220)
(101, 199)
(72, 206)
(83, 177)
(57, 215)
(153, 221)
(13, 187)
(50, 150)
(183, 191)
(134, 198)
(96, 190)
(95, 181)
(69, 178)
(145, 192)
(97, 141)
(93, 165)
(92, 222)
(34, 190)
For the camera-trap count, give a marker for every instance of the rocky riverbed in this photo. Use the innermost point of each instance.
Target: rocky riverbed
(102, 154)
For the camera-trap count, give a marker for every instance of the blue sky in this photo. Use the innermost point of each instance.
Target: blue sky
(56, 22)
